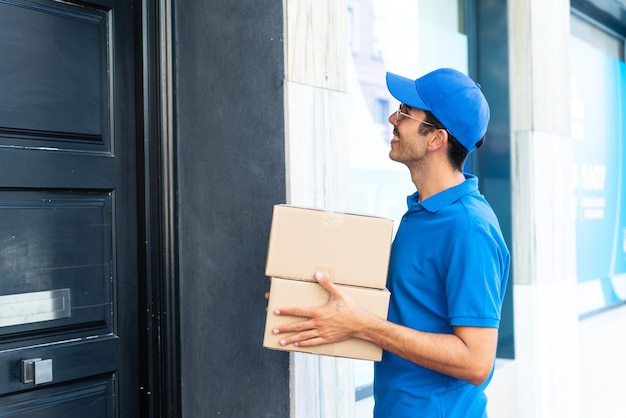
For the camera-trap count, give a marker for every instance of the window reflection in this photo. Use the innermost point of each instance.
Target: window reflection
(408, 37)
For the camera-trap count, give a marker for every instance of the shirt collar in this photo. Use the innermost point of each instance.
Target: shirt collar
(445, 197)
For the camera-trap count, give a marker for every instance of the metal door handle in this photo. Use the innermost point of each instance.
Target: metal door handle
(36, 370)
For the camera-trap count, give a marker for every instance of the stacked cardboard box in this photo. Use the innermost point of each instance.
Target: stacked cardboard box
(352, 250)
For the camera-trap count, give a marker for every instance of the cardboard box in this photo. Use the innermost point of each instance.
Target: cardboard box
(351, 249)
(294, 293)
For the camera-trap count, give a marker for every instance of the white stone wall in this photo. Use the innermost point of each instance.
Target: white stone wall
(546, 318)
(316, 110)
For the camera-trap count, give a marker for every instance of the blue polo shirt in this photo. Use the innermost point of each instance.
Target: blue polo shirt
(449, 267)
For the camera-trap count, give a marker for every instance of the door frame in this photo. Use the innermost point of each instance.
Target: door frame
(157, 185)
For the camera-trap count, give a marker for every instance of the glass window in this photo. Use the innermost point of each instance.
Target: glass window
(382, 111)
(353, 29)
(378, 185)
(598, 77)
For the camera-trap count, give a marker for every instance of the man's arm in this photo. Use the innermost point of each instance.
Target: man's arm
(467, 354)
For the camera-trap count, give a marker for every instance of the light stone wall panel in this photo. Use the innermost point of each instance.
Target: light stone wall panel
(520, 74)
(548, 363)
(317, 172)
(317, 43)
(317, 145)
(550, 32)
(539, 59)
(544, 234)
(543, 207)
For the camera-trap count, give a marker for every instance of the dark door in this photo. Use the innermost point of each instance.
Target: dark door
(68, 210)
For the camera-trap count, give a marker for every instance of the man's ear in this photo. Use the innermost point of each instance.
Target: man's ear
(439, 140)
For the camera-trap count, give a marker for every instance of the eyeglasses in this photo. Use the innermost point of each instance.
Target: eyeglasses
(400, 112)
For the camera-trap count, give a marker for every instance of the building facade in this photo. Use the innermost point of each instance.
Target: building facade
(143, 145)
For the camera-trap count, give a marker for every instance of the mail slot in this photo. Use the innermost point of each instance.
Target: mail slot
(25, 308)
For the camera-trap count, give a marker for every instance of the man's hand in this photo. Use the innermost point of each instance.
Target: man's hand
(335, 321)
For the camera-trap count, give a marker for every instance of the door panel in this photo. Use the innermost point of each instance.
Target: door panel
(71, 360)
(86, 399)
(55, 85)
(68, 210)
(50, 241)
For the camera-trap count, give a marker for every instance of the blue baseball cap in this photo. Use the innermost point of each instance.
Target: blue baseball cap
(452, 97)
